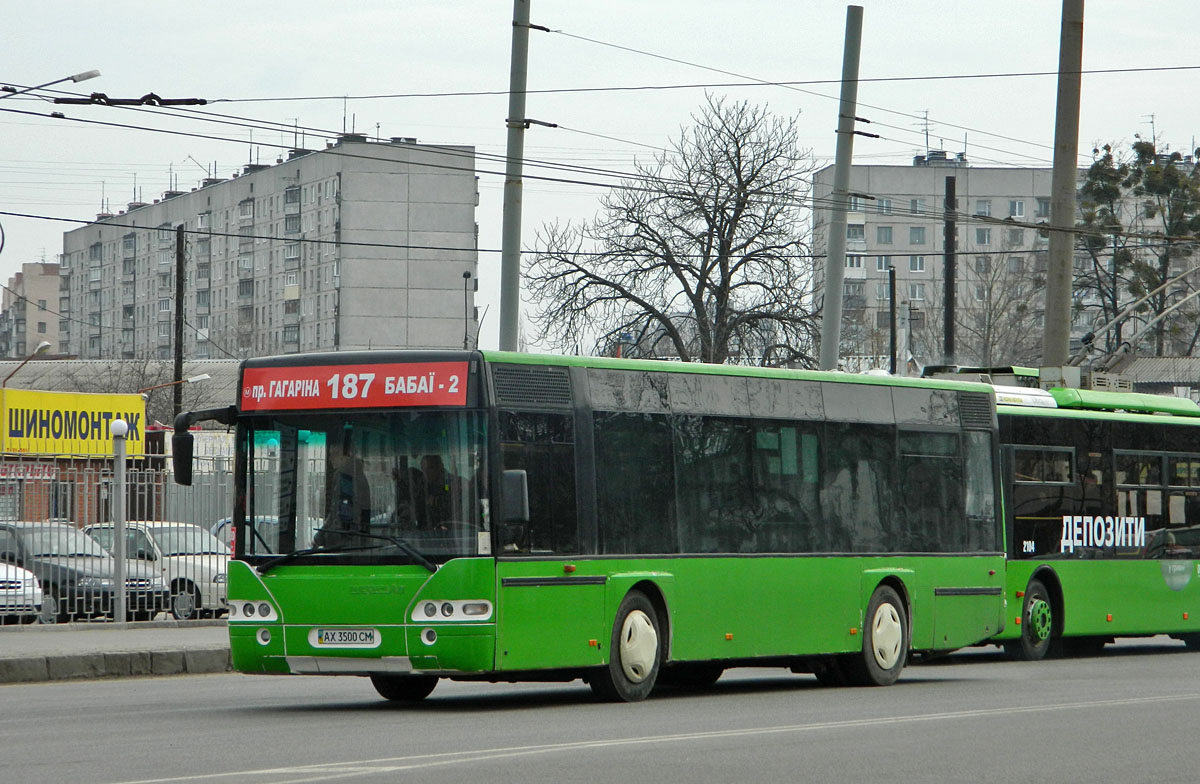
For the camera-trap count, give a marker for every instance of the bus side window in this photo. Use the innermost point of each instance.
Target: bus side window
(635, 483)
(543, 445)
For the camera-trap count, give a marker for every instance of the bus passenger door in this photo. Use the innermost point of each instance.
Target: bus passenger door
(549, 606)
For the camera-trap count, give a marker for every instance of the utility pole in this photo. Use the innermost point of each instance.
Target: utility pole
(510, 243)
(1056, 340)
(839, 202)
(950, 245)
(892, 318)
(180, 276)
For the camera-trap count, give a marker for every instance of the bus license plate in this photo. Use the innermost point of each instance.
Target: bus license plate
(344, 638)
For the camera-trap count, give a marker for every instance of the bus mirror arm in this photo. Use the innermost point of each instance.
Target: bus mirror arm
(514, 487)
(182, 441)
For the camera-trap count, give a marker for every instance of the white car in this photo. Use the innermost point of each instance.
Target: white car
(192, 561)
(20, 594)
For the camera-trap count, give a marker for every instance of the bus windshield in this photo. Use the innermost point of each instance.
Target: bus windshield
(392, 487)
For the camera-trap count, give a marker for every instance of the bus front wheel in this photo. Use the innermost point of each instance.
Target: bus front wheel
(634, 653)
(885, 641)
(1037, 625)
(404, 688)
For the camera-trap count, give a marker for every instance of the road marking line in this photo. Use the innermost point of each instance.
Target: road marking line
(329, 771)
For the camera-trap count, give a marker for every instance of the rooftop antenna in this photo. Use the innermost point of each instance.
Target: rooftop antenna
(924, 124)
(1153, 133)
(250, 157)
(345, 99)
(135, 196)
(202, 166)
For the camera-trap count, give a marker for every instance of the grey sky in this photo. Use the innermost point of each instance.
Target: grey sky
(227, 50)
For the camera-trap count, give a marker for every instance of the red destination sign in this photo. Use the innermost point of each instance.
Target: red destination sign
(354, 386)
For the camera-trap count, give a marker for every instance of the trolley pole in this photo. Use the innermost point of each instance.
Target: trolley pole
(119, 430)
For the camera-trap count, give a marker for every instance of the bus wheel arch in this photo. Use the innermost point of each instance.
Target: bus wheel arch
(886, 637)
(1041, 618)
(637, 648)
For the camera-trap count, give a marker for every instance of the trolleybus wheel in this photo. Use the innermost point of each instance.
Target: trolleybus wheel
(885, 641)
(634, 653)
(1192, 641)
(404, 688)
(1037, 625)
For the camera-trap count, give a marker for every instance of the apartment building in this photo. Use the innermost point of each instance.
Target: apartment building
(28, 310)
(360, 245)
(896, 221)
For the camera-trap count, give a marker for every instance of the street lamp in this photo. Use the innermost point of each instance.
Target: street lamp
(79, 77)
(42, 348)
(192, 380)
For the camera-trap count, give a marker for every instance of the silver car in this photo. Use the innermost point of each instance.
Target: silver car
(191, 560)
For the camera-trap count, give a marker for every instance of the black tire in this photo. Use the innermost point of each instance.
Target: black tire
(404, 688)
(1037, 625)
(1191, 641)
(690, 675)
(54, 608)
(635, 653)
(885, 641)
(185, 602)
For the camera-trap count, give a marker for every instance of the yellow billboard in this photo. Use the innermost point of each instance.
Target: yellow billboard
(68, 423)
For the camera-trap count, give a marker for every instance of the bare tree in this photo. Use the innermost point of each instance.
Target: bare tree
(999, 307)
(702, 256)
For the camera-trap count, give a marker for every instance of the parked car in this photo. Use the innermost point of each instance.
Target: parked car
(20, 595)
(266, 528)
(190, 560)
(77, 575)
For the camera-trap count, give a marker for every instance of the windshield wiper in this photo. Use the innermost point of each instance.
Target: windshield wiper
(267, 566)
(413, 552)
(416, 554)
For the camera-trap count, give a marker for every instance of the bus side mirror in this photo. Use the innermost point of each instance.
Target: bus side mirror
(514, 489)
(181, 457)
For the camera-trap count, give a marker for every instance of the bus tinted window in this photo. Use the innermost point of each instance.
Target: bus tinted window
(1043, 465)
(983, 531)
(931, 473)
(544, 446)
(635, 483)
(857, 489)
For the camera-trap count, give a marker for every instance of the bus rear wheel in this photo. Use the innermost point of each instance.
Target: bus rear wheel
(885, 641)
(634, 653)
(1037, 625)
(404, 688)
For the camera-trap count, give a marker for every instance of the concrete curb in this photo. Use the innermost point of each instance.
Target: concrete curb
(117, 664)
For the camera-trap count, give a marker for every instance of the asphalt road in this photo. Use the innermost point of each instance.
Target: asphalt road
(1128, 715)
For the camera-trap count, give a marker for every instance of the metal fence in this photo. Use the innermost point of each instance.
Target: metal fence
(57, 531)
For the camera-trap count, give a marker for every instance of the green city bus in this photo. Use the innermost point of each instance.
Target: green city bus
(1103, 505)
(415, 515)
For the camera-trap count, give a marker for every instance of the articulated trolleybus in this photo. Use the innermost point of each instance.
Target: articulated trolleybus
(1104, 518)
(415, 515)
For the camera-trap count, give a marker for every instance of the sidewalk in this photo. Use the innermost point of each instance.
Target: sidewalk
(102, 650)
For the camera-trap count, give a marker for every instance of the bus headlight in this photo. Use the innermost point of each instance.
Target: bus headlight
(452, 610)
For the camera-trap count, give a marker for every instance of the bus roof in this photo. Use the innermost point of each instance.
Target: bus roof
(1083, 400)
(1124, 401)
(614, 363)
